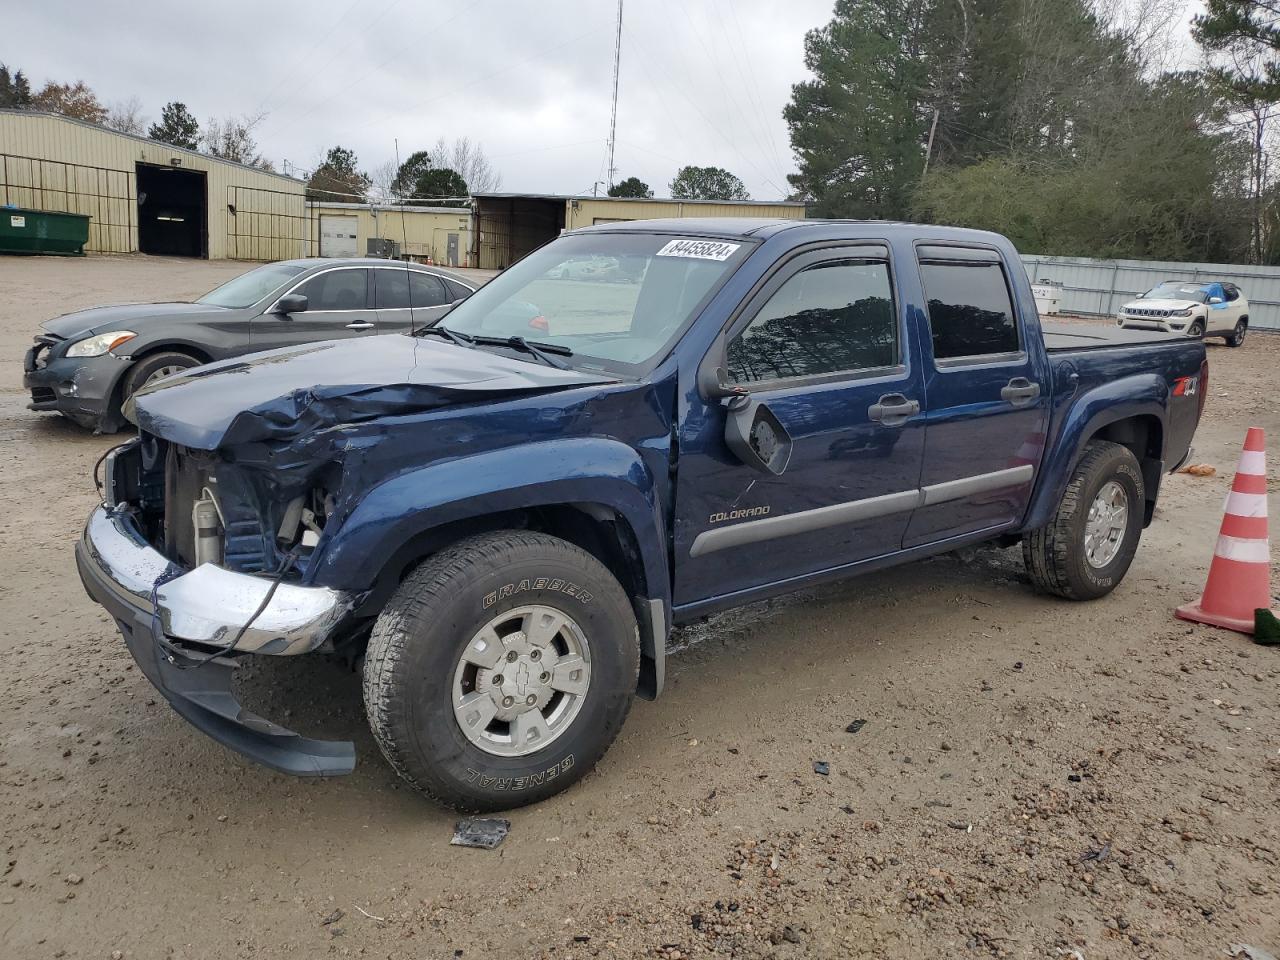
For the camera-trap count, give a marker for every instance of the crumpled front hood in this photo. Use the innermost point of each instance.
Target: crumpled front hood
(99, 319)
(282, 394)
(1161, 304)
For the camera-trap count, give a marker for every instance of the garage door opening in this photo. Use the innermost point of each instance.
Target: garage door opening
(171, 212)
(509, 227)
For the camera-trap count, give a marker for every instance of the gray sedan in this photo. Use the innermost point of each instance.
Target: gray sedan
(86, 364)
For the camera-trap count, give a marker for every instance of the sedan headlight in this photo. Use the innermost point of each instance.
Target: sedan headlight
(100, 343)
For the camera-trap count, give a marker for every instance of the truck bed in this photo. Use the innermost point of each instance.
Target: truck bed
(1090, 336)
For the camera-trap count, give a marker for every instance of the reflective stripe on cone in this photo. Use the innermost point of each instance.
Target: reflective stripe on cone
(1240, 575)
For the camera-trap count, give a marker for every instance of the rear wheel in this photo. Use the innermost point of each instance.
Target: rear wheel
(501, 670)
(1085, 551)
(1236, 337)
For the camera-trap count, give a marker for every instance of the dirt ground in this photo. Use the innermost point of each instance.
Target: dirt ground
(1034, 778)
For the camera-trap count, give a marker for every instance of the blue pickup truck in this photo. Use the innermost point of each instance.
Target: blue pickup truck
(500, 519)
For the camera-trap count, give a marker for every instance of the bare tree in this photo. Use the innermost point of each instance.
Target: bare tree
(126, 117)
(383, 177)
(232, 139)
(469, 160)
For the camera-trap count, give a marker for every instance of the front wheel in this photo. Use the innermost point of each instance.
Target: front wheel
(1196, 331)
(501, 670)
(1236, 337)
(1085, 551)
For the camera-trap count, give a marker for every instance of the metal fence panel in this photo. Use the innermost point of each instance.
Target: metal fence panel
(1101, 287)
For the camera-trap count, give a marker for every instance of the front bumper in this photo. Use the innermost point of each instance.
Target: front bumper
(81, 389)
(161, 610)
(1170, 325)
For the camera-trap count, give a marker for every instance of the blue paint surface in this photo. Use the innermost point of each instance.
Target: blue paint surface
(414, 436)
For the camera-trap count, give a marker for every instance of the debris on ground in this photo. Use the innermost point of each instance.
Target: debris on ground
(855, 726)
(483, 832)
(822, 768)
(1266, 628)
(1199, 470)
(1248, 952)
(1100, 854)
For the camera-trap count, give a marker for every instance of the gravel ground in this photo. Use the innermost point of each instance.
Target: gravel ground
(1028, 777)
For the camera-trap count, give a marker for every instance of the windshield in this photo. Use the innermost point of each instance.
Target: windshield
(619, 298)
(1176, 291)
(248, 288)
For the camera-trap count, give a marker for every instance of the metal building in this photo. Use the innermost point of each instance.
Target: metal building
(441, 234)
(149, 197)
(509, 225)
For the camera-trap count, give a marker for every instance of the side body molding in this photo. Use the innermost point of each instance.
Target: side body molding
(806, 521)
(593, 470)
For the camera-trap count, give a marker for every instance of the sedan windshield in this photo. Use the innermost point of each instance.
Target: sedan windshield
(619, 298)
(1177, 291)
(248, 288)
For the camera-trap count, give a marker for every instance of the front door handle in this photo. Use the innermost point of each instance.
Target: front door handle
(360, 325)
(1019, 391)
(893, 409)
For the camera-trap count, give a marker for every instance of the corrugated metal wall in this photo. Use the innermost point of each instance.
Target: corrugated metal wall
(1101, 287)
(421, 232)
(55, 163)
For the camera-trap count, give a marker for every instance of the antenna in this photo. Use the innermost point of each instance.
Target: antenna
(404, 249)
(613, 118)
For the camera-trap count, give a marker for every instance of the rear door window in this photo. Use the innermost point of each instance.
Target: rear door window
(337, 290)
(391, 289)
(970, 310)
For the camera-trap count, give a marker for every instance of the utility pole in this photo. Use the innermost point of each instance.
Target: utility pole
(613, 119)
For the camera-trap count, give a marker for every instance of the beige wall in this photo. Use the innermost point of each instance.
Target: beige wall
(52, 163)
(586, 211)
(421, 233)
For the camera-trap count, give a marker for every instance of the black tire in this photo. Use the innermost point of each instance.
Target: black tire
(419, 638)
(1236, 337)
(1055, 554)
(146, 368)
(1196, 330)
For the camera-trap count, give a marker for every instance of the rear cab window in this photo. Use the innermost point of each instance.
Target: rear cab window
(969, 305)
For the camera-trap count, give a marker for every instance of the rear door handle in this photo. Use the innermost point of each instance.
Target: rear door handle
(893, 409)
(360, 325)
(1019, 391)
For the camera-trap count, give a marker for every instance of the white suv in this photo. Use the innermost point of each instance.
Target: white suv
(1196, 309)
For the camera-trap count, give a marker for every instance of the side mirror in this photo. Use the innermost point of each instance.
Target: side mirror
(756, 436)
(1216, 300)
(291, 303)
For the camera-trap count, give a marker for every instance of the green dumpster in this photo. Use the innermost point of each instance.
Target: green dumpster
(43, 231)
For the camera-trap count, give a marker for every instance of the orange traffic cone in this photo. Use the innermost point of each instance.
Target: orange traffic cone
(1240, 575)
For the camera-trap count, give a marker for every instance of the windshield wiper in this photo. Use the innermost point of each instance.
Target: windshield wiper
(461, 339)
(543, 351)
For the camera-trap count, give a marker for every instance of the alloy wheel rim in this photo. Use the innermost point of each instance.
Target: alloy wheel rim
(521, 680)
(164, 371)
(1106, 524)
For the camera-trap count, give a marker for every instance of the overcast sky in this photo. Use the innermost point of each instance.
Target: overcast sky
(702, 81)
